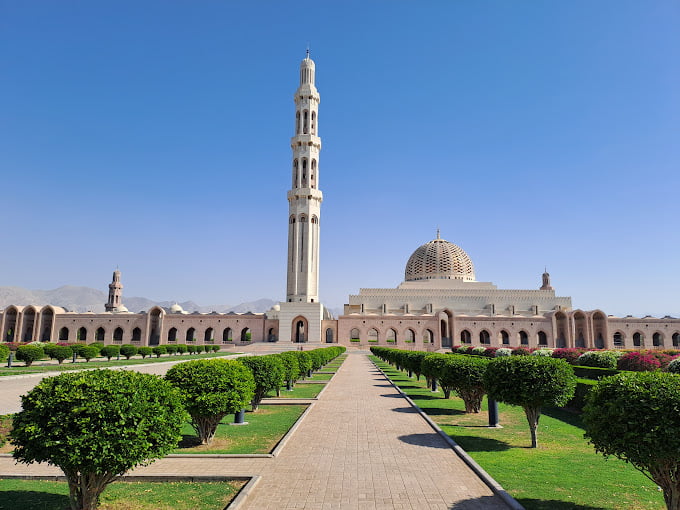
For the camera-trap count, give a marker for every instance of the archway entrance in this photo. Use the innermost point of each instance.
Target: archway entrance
(300, 330)
(445, 326)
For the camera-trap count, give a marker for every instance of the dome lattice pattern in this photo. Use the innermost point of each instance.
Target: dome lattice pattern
(439, 259)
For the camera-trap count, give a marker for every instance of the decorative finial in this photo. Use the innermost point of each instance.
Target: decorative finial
(438, 233)
(307, 51)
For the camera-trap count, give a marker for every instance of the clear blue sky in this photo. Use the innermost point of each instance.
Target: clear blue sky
(154, 135)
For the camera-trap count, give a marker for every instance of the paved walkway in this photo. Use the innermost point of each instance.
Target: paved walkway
(361, 446)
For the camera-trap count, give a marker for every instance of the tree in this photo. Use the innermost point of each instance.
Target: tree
(4, 352)
(291, 368)
(109, 351)
(304, 362)
(634, 417)
(29, 353)
(159, 350)
(128, 350)
(465, 375)
(145, 351)
(531, 382)
(61, 352)
(268, 372)
(431, 366)
(212, 388)
(89, 352)
(96, 425)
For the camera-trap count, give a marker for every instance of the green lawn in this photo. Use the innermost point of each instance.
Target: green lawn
(320, 377)
(265, 429)
(44, 495)
(563, 473)
(300, 391)
(37, 368)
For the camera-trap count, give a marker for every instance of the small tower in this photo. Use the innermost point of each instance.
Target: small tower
(115, 293)
(546, 281)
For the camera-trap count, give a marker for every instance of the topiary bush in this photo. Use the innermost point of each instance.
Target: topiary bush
(61, 352)
(569, 355)
(212, 388)
(503, 351)
(478, 351)
(268, 374)
(490, 352)
(638, 362)
(304, 363)
(97, 345)
(191, 348)
(159, 350)
(88, 352)
(521, 351)
(216, 348)
(599, 359)
(4, 352)
(29, 353)
(128, 350)
(465, 376)
(531, 382)
(291, 368)
(542, 352)
(674, 366)
(109, 351)
(145, 351)
(181, 349)
(96, 425)
(634, 417)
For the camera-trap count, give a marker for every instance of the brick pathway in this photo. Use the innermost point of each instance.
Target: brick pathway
(360, 447)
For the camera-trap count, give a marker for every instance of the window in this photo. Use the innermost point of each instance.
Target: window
(465, 337)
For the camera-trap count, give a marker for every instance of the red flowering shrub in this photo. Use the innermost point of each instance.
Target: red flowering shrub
(569, 355)
(638, 362)
(661, 357)
(490, 352)
(521, 351)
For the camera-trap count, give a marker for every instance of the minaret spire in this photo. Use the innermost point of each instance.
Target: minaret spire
(546, 281)
(115, 292)
(304, 198)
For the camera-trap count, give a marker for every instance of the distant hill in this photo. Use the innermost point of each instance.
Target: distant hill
(83, 299)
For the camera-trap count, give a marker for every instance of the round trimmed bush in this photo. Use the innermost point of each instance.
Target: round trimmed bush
(212, 388)
(88, 352)
(503, 351)
(4, 352)
(542, 352)
(109, 351)
(268, 373)
(171, 349)
(145, 351)
(465, 376)
(97, 345)
(61, 352)
(29, 353)
(291, 367)
(598, 359)
(191, 348)
(216, 348)
(478, 351)
(304, 362)
(128, 350)
(181, 348)
(521, 351)
(674, 366)
(159, 350)
(570, 355)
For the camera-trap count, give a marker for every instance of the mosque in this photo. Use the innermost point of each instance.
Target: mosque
(439, 304)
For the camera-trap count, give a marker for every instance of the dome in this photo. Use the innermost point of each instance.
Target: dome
(176, 308)
(121, 309)
(439, 260)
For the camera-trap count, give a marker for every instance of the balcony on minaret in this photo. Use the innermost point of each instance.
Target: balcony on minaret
(305, 140)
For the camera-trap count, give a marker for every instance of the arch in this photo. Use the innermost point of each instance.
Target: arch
(271, 335)
(580, 328)
(11, 316)
(315, 220)
(227, 335)
(313, 122)
(155, 315)
(446, 327)
(172, 335)
(296, 173)
(599, 328)
(676, 339)
(391, 336)
(297, 122)
(542, 338)
(523, 338)
(291, 220)
(100, 334)
(428, 336)
(312, 175)
(299, 329)
(303, 181)
(329, 335)
(354, 334)
(246, 335)
(373, 335)
(409, 336)
(465, 337)
(305, 122)
(46, 321)
(484, 337)
(562, 329)
(657, 339)
(208, 336)
(118, 334)
(618, 339)
(504, 337)
(28, 323)
(81, 336)
(638, 339)
(190, 335)
(136, 335)
(63, 334)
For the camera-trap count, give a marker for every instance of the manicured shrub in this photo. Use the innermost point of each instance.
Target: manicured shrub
(128, 350)
(171, 349)
(531, 382)
(88, 352)
(291, 368)
(29, 353)
(503, 351)
(181, 349)
(599, 359)
(109, 351)
(61, 352)
(4, 352)
(542, 352)
(635, 418)
(431, 367)
(490, 352)
(159, 350)
(268, 374)
(464, 349)
(123, 419)
(663, 358)
(465, 376)
(191, 348)
(97, 345)
(569, 355)
(594, 373)
(521, 351)
(48, 349)
(145, 351)
(216, 348)
(674, 366)
(304, 362)
(78, 348)
(638, 362)
(478, 351)
(212, 388)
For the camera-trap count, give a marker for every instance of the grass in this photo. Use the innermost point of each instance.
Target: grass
(563, 473)
(265, 429)
(46, 495)
(300, 391)
(320, 377)
(102, 363)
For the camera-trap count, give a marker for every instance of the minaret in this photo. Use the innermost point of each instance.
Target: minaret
(115, 293)
(546, 281)
(304, 198)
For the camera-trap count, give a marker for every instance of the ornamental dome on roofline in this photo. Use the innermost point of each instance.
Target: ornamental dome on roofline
(439, 260)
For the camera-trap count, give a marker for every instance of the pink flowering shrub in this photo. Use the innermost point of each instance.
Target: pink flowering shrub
(521, 351)
(638, 362)
(569, 355)
(490, 352)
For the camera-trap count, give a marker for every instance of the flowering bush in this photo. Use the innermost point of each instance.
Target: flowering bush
(478, 351)
(464, 349)
(674, 366)
(490, 352)
(638, 362)
(570, 355)
(503, 351)
(663, 358)
(521, 351)
(599, 359)
(542, 352)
